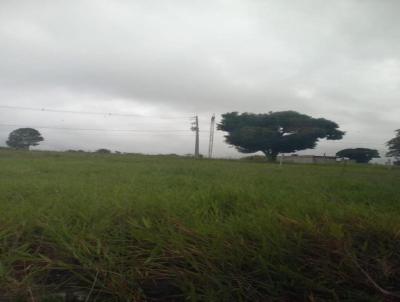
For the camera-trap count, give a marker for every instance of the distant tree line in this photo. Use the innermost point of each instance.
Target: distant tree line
(289, 131)
(271, 133)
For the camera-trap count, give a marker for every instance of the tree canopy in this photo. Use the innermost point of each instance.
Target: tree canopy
(360, 155)
(24, 138)
(394, 146)
(276, 132)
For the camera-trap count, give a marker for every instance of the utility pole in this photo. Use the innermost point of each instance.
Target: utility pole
(195, 128)
(211, 141)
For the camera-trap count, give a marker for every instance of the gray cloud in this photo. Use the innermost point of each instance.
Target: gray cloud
(339, 60)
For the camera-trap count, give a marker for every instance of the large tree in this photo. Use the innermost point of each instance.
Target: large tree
(276, 132)
(360, 155)
(23, 138)
(394, 147)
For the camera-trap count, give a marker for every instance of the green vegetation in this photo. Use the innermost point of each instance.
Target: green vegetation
(154, 228)
(360, 155)
(276, 132)
(24, 138)
(394, 148)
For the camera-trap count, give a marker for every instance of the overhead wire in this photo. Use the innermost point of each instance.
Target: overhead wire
(101, 129)
(91, 112)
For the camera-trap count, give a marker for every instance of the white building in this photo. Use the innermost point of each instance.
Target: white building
(308, 159)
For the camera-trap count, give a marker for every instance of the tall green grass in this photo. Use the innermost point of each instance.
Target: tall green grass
(156, 228)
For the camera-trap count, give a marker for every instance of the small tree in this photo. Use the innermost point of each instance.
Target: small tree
(276, 132)
(360, 155)
(394, 147)
(24, 138)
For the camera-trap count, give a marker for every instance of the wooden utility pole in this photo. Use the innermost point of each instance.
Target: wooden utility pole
(211, 141)
(195, 128)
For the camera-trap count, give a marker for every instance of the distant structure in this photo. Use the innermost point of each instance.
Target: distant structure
(196, 129)
(211, 140)
(308, 159)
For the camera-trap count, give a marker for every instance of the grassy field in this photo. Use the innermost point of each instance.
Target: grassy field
(154, 228)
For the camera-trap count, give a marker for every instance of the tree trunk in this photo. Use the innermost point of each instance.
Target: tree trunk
(271, 156)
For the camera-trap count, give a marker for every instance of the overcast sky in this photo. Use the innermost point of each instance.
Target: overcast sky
(334, 59)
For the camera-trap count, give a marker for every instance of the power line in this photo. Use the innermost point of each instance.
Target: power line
(101, 129)
(91, 112)
(355, 142)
